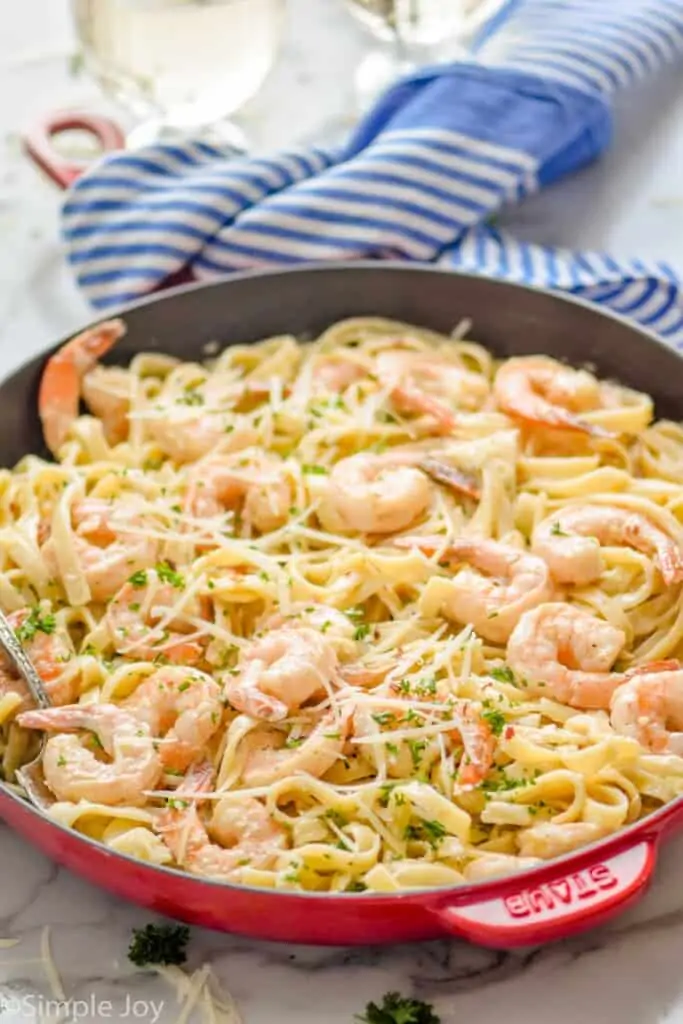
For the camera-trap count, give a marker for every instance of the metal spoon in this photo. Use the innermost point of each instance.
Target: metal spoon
(30, 775)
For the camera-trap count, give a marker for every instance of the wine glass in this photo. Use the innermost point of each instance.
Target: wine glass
(181, 67)
(414, 32)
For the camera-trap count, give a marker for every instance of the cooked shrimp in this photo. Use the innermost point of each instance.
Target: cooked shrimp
(457, 480)
(492, 604)
(649, 707)
(338, 628)
(493, 865)
(250, 835)
(98, 518)
(257, 480)
(108, 546)
(548, 839)
(182, 705)
(479, 743)
(337, 374)
(543, 393)
(49, 651)
(268, 759)
(244, 824)
(11, 685)
(131, 615)
(188, 438)
(60, 384)
(74, 773)
(570, 539)
(281, 671)
(560, 651)
(106, 392)
(428, 383)
(190, 418)
(378, 493)
(107, 569)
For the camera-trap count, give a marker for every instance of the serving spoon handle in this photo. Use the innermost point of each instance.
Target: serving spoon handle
(29, 775)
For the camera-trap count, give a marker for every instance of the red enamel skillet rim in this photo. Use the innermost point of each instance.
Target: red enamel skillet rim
(563, 896)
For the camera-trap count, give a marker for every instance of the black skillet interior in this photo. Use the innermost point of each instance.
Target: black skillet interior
(509, 319)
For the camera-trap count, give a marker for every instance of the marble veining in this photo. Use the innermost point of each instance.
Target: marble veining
(626, 973)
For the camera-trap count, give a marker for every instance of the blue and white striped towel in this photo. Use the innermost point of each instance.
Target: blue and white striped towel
(421, 177)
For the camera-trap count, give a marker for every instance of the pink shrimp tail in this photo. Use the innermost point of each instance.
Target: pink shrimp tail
(427, 544)
(654, 668)
(671, 566)
(562, 419)
(65, 718)
(419, 401)
(199, 779)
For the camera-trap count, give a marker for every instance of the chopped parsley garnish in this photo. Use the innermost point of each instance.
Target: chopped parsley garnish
(426, 687)
(432, 832)
(384, 717)
(139, 578)
(356, 886)
(496, 721)
(557, 531)
(159, 944)
(361, 631)
(313, 470)
(294, 741)
(355, 614)
(35, 623)
(502, 783)
(191, 397)
(417, 749)
(502, 674)
(396, 1009)
(184, 686)
(385, 791)
(167, 574)
(336, 817)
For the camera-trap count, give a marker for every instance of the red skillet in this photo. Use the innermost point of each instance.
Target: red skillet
(565, 896)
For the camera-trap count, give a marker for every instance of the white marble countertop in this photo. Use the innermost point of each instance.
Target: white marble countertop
(629, 973)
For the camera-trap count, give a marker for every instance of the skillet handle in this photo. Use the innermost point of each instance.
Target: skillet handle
(561, 903)
(38, 143)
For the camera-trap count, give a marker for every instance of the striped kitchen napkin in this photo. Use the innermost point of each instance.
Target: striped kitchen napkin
(420, 179)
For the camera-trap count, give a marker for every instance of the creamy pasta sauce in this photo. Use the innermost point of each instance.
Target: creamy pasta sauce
(370, 613)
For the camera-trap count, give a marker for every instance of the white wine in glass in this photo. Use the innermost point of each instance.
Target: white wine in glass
(415, 22)
(415, 29)
(179, 65)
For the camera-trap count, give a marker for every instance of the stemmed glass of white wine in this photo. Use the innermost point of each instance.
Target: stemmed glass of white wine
(414, 32)
(180, 67)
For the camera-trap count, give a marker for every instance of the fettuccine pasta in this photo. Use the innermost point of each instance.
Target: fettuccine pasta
(374, 612)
